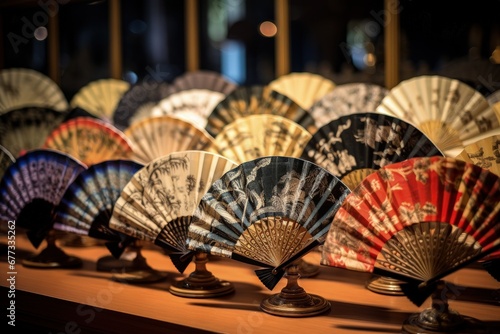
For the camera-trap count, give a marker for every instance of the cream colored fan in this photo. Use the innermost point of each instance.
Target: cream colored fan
(203, 79)
(303, 87)
(448, 111)
(6, 159)
(485, 153)
(100, 97)
(23, 87)
(154, 137)
(193, 105)
(256, 136)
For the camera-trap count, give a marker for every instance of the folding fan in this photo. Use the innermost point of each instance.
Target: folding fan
(27, 128)
(347, 99)
(89, 140)
(23, 87)
(354, 146)
(193, 105)
(100, 97)
(302, 87)
(256, 136)
(250, 100)
(30, 189)
(418, 220)
(203, 79)
(154, 137)
(157, 206)
(448, 111)
(141, 96)
(6, 159)
(269, 212)
(493, 98)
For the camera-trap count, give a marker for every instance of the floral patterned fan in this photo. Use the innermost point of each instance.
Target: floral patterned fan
(354, 146)
(139, 99)
(193, 105)
(269, 212)
(6, 159)
(89, 140)
(100, 97)
(158, 202)
(303, 87)
(31, 189)
(27, 128)
(203, 79)
(418, 220)
(347, 99)
(23, 87)
(154, 137)
(448, 111)
(251, 100)
(256, 136)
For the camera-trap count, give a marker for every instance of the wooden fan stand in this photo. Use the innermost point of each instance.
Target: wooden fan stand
(385, 285)
(440, 319)
(201, 283)
(52, 256)
(138, 271)
(293, 301)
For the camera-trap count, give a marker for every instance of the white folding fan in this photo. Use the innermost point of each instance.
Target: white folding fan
(269, 212)
(448, 111)
(100, 97)
(154, 137)
(347, 99)
(256, 136)
(157, 205)
(418, 221)
(23, 87)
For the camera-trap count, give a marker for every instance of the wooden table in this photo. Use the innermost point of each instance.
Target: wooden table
(88, 301)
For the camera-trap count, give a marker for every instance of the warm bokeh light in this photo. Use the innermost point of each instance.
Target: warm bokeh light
(40, 33)
(268, 29)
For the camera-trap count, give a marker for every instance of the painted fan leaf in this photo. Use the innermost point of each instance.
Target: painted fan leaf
(158, 202)
(255, 100)
(100, 97)
(89, 140)
(27, 128)
(203, 79)
(141, 96)
(268, 212)
(448, 111)
(353, 146)
(256, 136)
(485, 153)
(347, 99)
(303, 87)
(6, 159)
(87, 204)
(23, 87)
(417, 220)
(33, 186)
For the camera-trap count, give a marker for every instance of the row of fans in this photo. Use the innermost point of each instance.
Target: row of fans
(448, 111)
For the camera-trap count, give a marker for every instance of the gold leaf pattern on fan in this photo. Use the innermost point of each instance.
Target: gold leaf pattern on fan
(23, 87)
(256, 136)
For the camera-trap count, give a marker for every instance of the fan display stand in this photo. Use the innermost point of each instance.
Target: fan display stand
(77, 241)
(109, 263)
(384, 285)
(52, 256)
(293, 301)
(201, 283)
(307, 270)
(138, 271)
(440, 319)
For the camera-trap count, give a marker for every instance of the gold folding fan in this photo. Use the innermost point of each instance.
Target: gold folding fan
(192, 105)
(485, 153)
(255, 100)
(100, 97)
(269, 212)
(256, 136)
(418, 221)
(203, 79)
(157, 205)
(27, 128)
(90, 140)
(23, 87)
(303, 87)
(154, 137)
(448, 111)
(347, 99)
